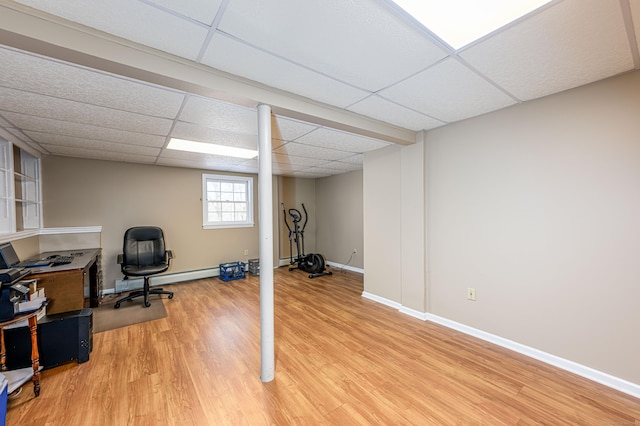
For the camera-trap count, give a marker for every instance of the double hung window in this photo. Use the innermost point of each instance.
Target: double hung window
(227, 201)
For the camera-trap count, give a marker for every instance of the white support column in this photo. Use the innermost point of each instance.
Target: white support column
(265, 213)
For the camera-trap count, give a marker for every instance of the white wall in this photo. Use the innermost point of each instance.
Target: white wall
(538, 208)
(383, 262)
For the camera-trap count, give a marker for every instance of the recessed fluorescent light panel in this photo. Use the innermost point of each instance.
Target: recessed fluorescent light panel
(460, 22)
(209, 148)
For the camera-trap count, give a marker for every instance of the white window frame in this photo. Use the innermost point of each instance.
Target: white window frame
(247, 181)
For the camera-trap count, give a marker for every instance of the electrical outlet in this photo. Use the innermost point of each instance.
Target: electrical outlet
(246, 252)
(471, 293)
(355, 251)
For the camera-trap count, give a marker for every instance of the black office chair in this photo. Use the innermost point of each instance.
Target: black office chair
(144, 254)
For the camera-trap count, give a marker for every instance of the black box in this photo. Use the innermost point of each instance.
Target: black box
(62, 338)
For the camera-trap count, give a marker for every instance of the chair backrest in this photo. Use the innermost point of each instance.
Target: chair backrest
(143, 246)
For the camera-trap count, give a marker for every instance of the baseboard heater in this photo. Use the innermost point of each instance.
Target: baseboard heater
(137, 283)
(123, 286)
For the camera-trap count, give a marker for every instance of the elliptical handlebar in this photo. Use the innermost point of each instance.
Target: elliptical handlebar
(284, 214)
(306, 216)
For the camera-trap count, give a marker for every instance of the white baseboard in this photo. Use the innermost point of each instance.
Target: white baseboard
(346, 267)
(381, 300)
(283, 262)
(286, 262)
(608, 380)
(138, 283)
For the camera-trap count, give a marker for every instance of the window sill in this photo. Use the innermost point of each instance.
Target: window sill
(229, 226)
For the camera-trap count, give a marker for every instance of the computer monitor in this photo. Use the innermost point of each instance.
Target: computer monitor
(8, 256)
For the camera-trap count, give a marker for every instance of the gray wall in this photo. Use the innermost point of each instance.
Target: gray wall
(293, 193)
(335, 207)
(536, 207)
(382, 228)
(80, 192)
(339, 218)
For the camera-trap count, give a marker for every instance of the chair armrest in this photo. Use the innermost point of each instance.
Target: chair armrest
(120, 258)
(169, 254)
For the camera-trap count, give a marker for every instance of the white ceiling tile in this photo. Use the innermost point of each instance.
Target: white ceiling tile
(312, 173)
(201, 163)
(176, 162)
(298, 161)
(288, 129)
(448, 91)
(252, 162)
(346, 40)
(301, 150)
(220, 115)
(635, 16)
(47, 125)
(336, 139)
(335, 52)
(572, 43)
(354, 159)
(326, 171)
(275, 143)
(195, 132)
(100, 155)
(133, 20)
(47, 140)
(72, 111)
(19, 134)
(280, 168)
(35, 74)
(251, 166)
(339, 165)
(237, 58)
(384, 110)
(211, 160)
(245, 168)
(201, 10)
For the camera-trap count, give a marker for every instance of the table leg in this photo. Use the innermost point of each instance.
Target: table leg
(3, 352)
(35, 355)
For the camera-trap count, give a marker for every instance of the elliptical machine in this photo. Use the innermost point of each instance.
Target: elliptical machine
(312, 263)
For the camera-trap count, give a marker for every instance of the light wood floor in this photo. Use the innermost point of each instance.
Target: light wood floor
(340, 359)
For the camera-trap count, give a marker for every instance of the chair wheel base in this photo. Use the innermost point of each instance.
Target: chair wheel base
(145, 293)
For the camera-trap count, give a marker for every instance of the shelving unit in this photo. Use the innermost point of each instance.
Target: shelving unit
(20, 189)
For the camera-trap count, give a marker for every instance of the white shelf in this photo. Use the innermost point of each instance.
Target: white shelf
(17, 378)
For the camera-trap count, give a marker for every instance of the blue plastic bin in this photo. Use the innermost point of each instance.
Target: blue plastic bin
(232, 271)
(4, 385)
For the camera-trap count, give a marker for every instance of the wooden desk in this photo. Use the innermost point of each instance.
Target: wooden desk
(64, 284)
(16, 378)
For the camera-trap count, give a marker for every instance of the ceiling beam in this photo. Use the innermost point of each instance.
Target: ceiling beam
(37, 32)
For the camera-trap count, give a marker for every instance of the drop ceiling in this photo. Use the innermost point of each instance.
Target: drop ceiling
(116, 80)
